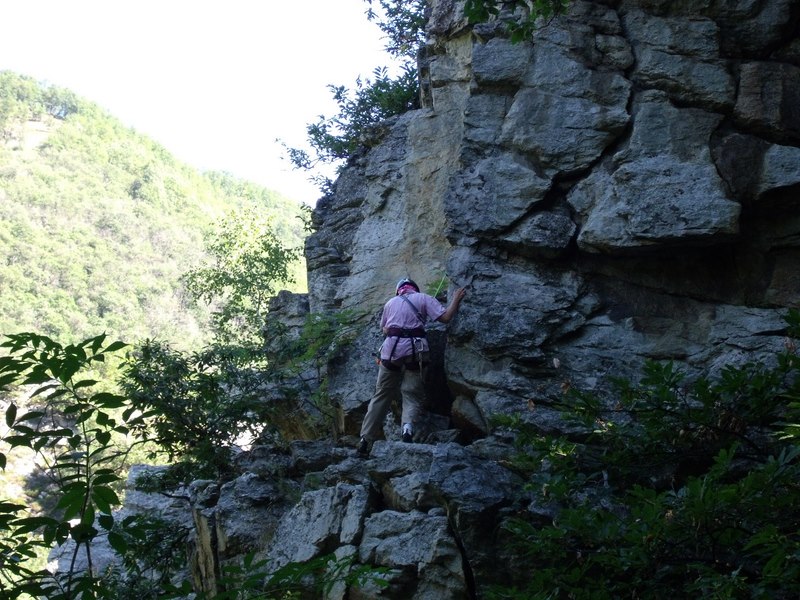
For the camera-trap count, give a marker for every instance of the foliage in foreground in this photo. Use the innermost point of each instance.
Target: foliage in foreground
(196, 404)
(252, 579)
(687, 487)
(201, 405)
(683, 488)
(71, 428)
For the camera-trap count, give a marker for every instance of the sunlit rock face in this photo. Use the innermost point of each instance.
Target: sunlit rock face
(624, 186)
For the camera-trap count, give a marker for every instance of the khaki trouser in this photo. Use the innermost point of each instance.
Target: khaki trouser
(394, 385)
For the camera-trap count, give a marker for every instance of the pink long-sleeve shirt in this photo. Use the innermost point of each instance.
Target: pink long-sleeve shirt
(397, 313)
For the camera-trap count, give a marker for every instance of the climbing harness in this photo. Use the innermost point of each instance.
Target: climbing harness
(416, 335)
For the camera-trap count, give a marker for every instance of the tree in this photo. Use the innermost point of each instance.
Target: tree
(403, 22)
(198, 405)
(249, 262)
(333, 139)
(75, 430)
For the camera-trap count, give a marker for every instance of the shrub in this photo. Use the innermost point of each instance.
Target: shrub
(521, 17)
(195, 406)
(679, 488)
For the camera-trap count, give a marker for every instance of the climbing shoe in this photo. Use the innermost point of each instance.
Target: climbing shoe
(363, 447)
(408, 437)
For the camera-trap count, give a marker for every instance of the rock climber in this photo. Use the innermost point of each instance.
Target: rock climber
(403, 357)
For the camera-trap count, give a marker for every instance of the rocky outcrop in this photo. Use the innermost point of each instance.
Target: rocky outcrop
(427, 518)
(623, 187)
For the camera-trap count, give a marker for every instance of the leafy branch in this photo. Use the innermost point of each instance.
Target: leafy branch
(69, 426)
(334, 139)
(247, 263)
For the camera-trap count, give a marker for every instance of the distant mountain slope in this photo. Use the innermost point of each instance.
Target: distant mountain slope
(98, 222)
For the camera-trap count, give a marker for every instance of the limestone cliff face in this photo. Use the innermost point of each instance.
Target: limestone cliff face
(624, 186)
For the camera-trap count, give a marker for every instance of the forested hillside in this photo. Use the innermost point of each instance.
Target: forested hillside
(98, 222)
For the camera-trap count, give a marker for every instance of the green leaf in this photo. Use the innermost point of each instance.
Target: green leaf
(82, 533)
(69, 367)
(76, 478)
(88, 515)
(7, 378)
(85, 416)
(72, 502)
(108, 400)
(61, 533)
(19, 440)
(25, 430)
(114, 346)
(32, 415)
(105, 476)
(106, 522)
(10, 507)
(73, 408)
(60, 433)
(117, 542)
(43, 389)
(76, 353)
(58, 393)
(37, 377)
(84, 383)
(30, 524)
(96, 342)
(106, 471)
(11, 414)
(105, 498)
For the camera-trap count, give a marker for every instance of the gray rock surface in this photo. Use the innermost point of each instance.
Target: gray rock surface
(621, 188)
(624, 178)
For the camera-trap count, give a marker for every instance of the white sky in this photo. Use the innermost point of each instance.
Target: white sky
(213, 81)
